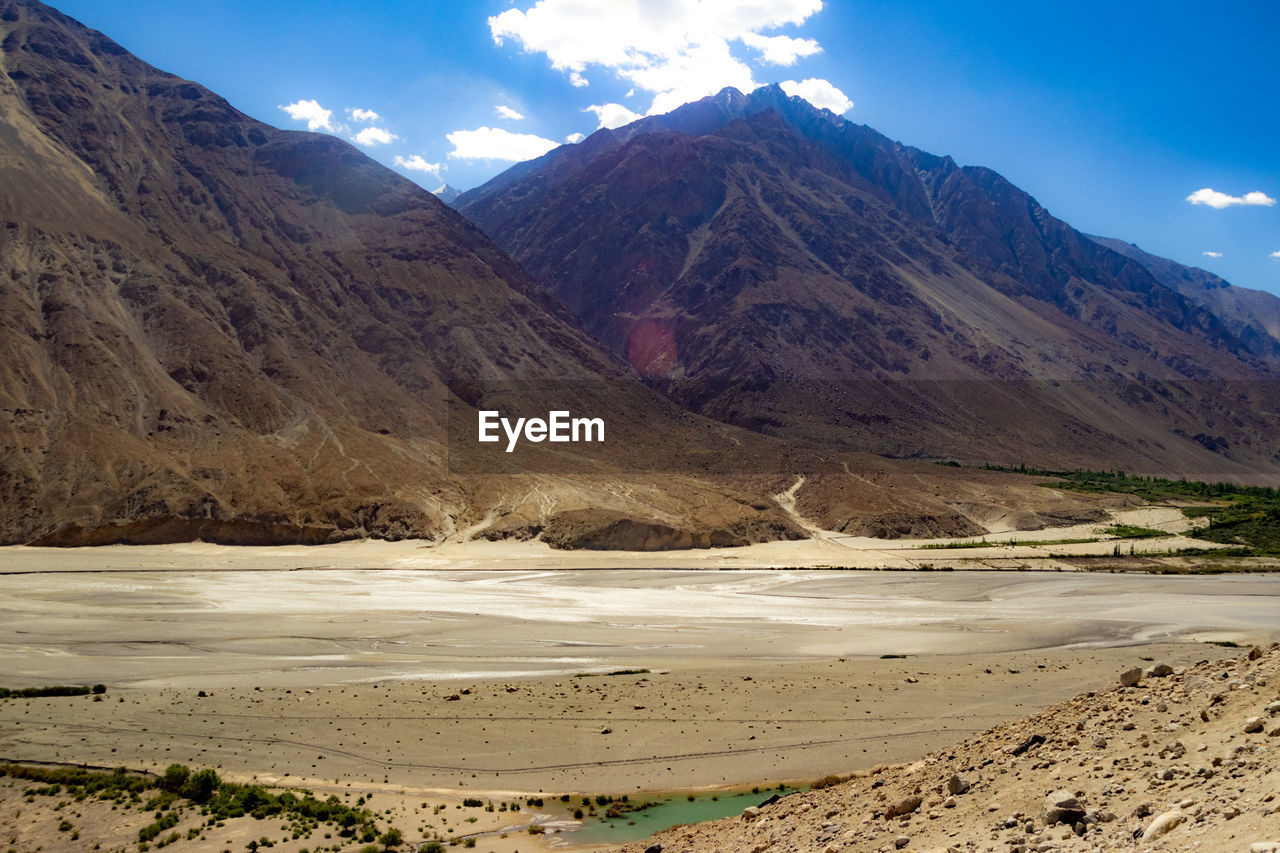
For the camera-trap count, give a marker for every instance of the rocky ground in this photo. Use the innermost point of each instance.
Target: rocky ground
(1165, 760)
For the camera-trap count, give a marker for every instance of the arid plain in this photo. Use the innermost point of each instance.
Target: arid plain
(474, 669)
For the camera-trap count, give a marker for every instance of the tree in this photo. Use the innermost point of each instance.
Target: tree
(202, 786)
(175, 776)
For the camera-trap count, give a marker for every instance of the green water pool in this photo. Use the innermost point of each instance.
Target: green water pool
(666, 812)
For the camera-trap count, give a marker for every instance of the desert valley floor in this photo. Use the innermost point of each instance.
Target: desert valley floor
(474, 669)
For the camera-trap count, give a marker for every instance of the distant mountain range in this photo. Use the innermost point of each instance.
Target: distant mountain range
(1253, 316)
(216, 329)
(771, 265)
(446, 193)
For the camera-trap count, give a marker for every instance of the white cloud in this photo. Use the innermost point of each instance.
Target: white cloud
(1212, 254)
(677, 51)
(316, 116)
(578, 80)
(781, 50)
(574, 138)
(371, 136)
(1275, 255)
(612, 115)
(494, 143)
(1218, 200)
(361, 115)
(416, 163)
(506, 112)
(820, 93)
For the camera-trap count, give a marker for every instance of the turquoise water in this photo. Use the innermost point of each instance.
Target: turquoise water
(667, 812)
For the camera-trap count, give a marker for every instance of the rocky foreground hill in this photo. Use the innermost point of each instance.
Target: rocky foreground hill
(1165, 760)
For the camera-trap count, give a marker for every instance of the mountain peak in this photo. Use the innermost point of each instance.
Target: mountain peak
(774, 243)
(446, 193)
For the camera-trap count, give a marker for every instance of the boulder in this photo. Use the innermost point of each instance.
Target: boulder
(1163, 824)
(1131, 677)
(957, 784)
(1062, 807)
(903, 807)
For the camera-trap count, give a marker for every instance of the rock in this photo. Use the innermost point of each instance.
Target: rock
(901, 841)
(1099, 742)
(1255, 653)
(752, 812)
(1160, 670)
(1265, 847)
(1032, 741)
(1252, 725)
(1163, 824)
(1131, 677)
(903, 807)
(1062, 807)
(653, 848)
(1273, 708)
(957, 784)
(949, 803)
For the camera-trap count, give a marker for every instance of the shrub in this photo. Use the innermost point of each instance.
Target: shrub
(175, 776)
(201, 786)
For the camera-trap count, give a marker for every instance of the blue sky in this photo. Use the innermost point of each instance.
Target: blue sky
(1110, 114)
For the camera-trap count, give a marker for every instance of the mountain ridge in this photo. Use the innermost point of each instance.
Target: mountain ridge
(223, 330)
(1253, 315)
(763, 242)
(215, 329)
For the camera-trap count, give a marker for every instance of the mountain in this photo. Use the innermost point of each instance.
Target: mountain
(771, 265)
(446, 193)
(216, 329)
(1252, 315)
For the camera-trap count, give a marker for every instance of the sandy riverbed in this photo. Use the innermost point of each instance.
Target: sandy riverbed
(338, 663)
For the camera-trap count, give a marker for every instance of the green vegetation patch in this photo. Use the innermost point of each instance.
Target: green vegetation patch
(1130, 531)
(615, 672)
(179, 788)
(961, 543)
(1246, 516)
(1009, 543)
(56, 690)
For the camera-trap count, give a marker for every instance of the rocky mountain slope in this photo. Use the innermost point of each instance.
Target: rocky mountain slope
(212, 328)
(779, 268)
(215, 328)
(1170, 760)
(1252, 315)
